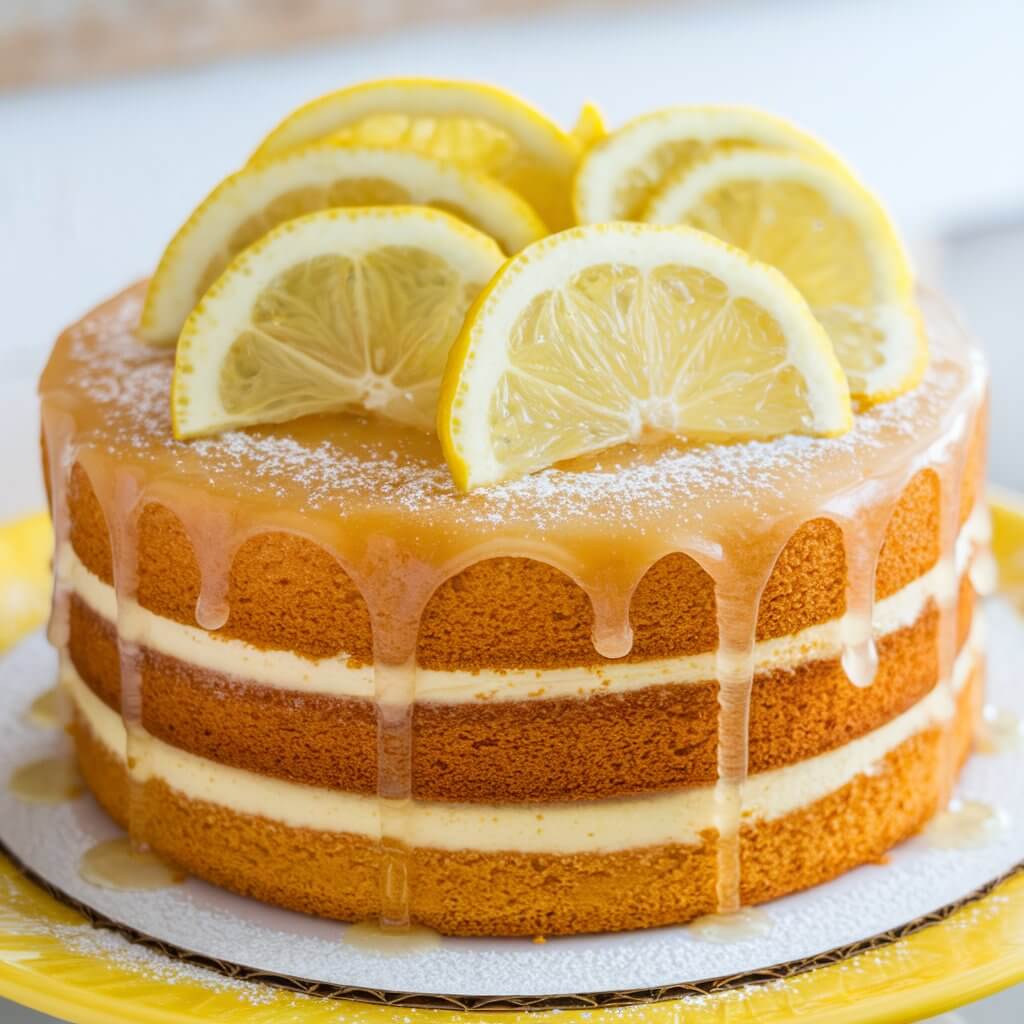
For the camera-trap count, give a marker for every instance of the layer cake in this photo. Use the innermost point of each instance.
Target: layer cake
(626, 691)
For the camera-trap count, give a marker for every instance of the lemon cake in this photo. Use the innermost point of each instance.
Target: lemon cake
(591, 656)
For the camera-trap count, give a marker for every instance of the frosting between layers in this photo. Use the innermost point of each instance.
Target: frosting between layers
(607, 825)
(338, 677)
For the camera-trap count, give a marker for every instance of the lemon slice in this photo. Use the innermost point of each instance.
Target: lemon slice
(619, 177)
(469, 123)
(604, 334)
(339, 310)
(831, 238)
(247, 205)
(589, 128)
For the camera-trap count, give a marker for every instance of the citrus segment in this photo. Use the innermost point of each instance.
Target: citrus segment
(338, 310)
(613, 333)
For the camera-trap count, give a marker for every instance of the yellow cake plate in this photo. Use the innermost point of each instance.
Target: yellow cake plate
(974, 952)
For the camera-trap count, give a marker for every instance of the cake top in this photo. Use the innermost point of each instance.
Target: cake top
(356, 467)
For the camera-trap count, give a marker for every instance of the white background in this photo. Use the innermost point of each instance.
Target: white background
(924, 98)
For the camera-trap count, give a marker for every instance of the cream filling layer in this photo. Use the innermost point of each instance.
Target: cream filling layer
(597, 826)
(338, 678)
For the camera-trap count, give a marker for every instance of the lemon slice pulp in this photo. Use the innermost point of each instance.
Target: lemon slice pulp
(468, 123)
(600, 335)
(339, 310)
(247, 205)
(620, 176)
(830, 237)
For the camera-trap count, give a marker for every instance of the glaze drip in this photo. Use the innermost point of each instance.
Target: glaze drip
(378, 498)
(369, 937)
(119, 864)
(864, 518)
(610, 589)
(732, 927)
(950, 470)
(999, 732)
(120, 493)
(51, 780)
(47, 711)
(395, 689)
(738, 587)
(966, 824)
(212, 531)
(58, 441)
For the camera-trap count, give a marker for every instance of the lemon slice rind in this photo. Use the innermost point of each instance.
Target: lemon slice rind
(225, 312)
(479, 359)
